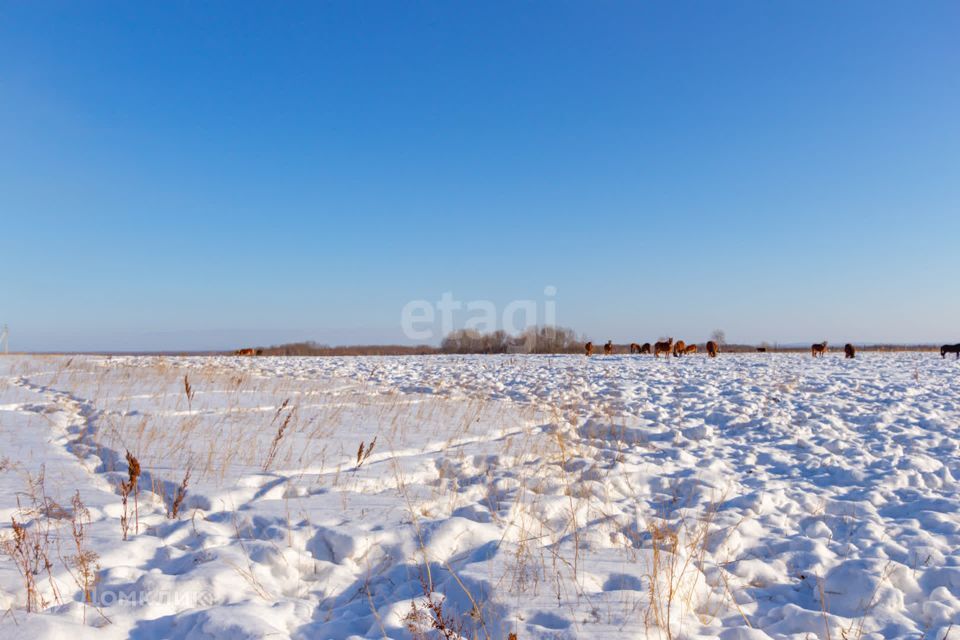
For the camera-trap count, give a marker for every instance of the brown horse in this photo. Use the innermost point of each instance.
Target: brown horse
(818, 349)
(849, 351)
(950, 348)
(645, 348)
(664, 346)
(691, 348)
(608, 348)
(589, 349)
(712, 349)
(634, 347)
(244, 352)
(679, 348)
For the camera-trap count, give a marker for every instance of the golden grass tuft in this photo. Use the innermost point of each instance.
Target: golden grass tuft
(127, 488)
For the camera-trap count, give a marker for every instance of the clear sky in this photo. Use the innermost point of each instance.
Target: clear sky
(185, 175)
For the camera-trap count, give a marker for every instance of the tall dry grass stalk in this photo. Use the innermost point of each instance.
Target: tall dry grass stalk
(275, 444)
(22, 551)
(85, 562)
(179, 496)
(188, 391)
(127, 488)
(365, 451)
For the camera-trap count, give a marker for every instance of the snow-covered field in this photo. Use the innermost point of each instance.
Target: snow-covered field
(750, 496)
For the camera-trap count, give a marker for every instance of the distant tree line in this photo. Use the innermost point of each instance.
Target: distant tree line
(315, 349)
(533, 340)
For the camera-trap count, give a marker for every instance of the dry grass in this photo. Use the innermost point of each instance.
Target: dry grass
(179, 496)
(364, 453)
(188, 391)
(26, 555)
(272, 452)
(127, 488)
(29, 543)
(85, 563)
(430, 615)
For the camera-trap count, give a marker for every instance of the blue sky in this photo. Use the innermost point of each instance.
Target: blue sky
(205, 175)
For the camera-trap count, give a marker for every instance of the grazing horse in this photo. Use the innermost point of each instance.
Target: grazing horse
(712, 349)
(679, 348)
(950, 348)
(691, 348)
(608, 348)
(664, 346)
(849, 351)
(818, 349)
(761, 349)
(634, 347)
(589, 348)
(644, 348)
(244, 352)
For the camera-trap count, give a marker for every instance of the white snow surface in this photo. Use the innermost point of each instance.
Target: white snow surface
(743, 497)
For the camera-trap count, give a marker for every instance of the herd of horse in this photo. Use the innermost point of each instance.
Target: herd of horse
(680, 348)
(819, 349)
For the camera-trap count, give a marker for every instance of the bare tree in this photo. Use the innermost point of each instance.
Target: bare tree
(719, 336)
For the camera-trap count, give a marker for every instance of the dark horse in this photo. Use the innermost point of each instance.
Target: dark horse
(849, 351)
(950, 348)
